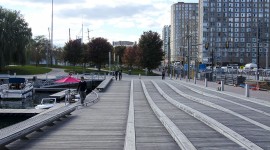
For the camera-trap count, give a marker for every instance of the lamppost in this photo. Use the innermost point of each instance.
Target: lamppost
(188, 53)
(258, 48)
(52, 32)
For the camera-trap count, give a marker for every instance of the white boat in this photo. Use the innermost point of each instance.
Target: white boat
(16, 88)
(46, 103)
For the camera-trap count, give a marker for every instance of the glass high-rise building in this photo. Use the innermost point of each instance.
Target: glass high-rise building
(166, 31)
(184, 31)
(234, 31)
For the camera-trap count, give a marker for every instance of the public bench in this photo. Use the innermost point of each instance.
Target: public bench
(104, 83)
(20, 130)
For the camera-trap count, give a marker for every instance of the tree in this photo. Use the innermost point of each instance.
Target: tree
(130, 56)
(14, 37)
(98, 51)
(73, 52)
(119, 52)
(59, 55)
(38, 49)
(150, 45)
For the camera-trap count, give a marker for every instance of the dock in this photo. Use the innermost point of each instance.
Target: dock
(165, 114)
(61, 94)
(16, 112)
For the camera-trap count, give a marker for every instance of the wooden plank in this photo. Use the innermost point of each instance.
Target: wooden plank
(100, 126)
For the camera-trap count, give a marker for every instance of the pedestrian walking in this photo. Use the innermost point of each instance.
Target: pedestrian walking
(120, 74)
(82, 90)
(116, 75)
(163, 74)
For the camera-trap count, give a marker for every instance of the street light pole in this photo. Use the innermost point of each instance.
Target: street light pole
(188, 52)
(258, 49)
(52, 30)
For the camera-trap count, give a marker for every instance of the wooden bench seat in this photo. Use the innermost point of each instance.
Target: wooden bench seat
(104, 83)
(20, 130)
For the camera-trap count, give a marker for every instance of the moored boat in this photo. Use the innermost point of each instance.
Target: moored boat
(46, 103)
(16, 88)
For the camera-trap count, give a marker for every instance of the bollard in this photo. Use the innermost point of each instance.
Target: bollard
(46, 76)
(14, 74)
(205, 82)
(139, 76)
(247, 90)
(170, 76)
(194, 80)
(222, 86)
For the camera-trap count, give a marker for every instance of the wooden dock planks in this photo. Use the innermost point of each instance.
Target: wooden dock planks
(100, 126)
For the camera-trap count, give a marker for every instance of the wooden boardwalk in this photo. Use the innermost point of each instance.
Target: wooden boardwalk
(100, 126)
(168, 115)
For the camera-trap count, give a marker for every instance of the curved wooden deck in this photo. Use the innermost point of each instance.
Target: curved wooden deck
(167, 115)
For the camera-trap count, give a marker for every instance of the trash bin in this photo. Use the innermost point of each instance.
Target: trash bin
(209, 76)
(240, 80)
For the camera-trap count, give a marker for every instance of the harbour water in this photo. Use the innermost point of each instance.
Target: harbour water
(27, 103)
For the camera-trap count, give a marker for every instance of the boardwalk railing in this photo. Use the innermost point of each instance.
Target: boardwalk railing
(93, 98)
(20, 130)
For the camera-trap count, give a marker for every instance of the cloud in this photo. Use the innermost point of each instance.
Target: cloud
(111, 19)
(54, 1)
(105, 12)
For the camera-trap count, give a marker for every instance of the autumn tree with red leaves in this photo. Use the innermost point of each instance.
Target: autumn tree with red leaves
(131, 56)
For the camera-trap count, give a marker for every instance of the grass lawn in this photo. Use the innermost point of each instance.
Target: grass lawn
(41, 69)
(136, 72)
(25, 70)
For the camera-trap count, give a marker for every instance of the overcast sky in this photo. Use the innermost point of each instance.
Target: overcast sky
(114, 20)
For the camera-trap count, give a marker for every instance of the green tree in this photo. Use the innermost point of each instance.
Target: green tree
(73, 52)
(59, 55)
(14, 38)
(150, 45)
(98, 51)
(38, 49)
(119, 52)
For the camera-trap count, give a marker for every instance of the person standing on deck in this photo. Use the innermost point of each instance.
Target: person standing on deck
(82, 90)
(116, 74)
(120, 74)
(163, 74)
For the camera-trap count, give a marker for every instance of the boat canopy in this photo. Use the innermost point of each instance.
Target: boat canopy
(16, 80)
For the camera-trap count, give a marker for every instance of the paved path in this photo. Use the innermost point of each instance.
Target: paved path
(169, 114)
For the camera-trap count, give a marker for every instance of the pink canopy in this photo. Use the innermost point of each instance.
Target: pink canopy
(68, 79)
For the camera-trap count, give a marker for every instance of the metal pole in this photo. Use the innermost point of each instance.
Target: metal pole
(266, 61)
(247, 90)
(109, 63)
(212, 65)
(52, 29)
(188, 52)
(258, 51)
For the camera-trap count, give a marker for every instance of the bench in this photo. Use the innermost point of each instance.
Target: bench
(20, 130)
(104, 83)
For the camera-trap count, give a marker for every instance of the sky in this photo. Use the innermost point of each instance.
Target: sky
(114, 20)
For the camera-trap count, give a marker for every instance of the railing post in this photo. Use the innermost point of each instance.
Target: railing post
(222, 85)
(205, 82)
(247, 90)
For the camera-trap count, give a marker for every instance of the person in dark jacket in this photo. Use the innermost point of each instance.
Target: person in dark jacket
(82, 90)
(120, 74)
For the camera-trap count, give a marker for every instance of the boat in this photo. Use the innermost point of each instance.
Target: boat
(46, 103)
(16, 88)
(72, 96)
